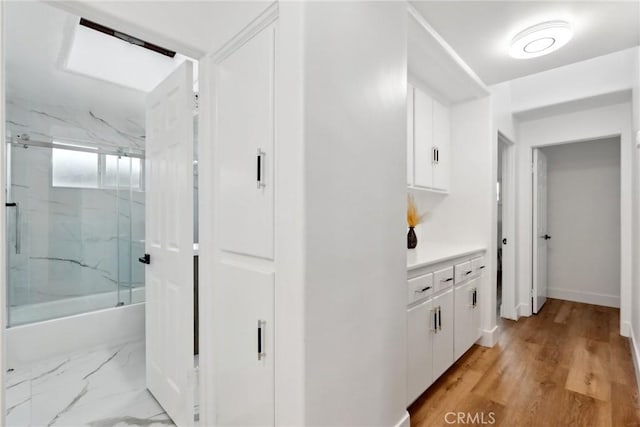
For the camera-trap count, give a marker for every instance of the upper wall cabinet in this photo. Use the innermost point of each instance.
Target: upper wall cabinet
(428, 142)
(245, 131)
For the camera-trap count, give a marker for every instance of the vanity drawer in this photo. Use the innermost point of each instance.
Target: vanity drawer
(442, 279)
(463, 271)
(420, 287)
(478, 265)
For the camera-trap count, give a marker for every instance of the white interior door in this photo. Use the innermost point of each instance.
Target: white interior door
(540, 232)
(169, 243)
(508, 203)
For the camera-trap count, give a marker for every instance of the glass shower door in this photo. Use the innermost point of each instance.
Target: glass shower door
(69, 232)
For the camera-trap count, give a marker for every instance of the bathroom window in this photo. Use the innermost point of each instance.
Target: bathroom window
(80, 169)
(77, 169)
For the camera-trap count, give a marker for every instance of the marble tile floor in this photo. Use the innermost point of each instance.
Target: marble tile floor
(98, 388)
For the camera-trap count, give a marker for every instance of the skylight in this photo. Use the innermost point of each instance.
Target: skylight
(104, 57)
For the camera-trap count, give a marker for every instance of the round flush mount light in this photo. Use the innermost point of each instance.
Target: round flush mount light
(541, 39)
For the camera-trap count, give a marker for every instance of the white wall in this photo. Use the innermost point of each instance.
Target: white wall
(3, 184)
(583, 212)
(602, 75)
(355, 241)
(578, 126)
(635, 295)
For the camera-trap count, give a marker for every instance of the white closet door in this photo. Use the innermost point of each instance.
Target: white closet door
(540, 232)
(244, 336)
(169, 242)
(423, 140)
(245, 134)
(441, 141)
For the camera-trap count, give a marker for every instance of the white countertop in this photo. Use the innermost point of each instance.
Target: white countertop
(431, 253)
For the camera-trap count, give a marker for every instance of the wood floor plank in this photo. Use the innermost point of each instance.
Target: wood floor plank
(626, 411)
(567, 366)
(589, 373)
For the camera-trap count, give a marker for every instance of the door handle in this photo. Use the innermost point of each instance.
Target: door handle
(546, 237)
(439, 318)
(419, 291)
(146, 259)
(261, 327)
(504, 241)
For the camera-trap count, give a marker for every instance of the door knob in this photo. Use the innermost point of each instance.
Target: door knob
(546, 237)
(504, 241)
(146, 259)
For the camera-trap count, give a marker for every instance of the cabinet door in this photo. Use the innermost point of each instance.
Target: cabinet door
(420, 325)
(441, 142)
(409, 135)
(423, 140)
(244, 132)
(465, 314)
(443, 338)
(244, 333)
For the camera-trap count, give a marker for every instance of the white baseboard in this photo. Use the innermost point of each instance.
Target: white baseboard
(625, 329)
(584, 297)
(523, 310)
(635, 354)
(506, 313)
(489, 337)
(404, 422)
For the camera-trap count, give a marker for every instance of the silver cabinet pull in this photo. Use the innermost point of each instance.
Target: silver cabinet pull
(261, 342)
(434, 328)
(260, 168)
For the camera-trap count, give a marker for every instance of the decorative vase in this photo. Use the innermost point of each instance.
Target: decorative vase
(412, 239)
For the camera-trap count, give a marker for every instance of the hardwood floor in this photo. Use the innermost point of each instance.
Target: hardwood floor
(566, 366)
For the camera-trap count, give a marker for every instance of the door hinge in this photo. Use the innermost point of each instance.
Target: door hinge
(531, 293)
(196, 103)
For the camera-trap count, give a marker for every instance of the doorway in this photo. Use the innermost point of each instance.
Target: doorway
(577, 223)
(77, 191)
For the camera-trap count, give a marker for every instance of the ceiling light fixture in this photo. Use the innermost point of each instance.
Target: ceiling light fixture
(541, 39)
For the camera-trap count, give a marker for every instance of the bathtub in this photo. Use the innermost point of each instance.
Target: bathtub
(29, 343)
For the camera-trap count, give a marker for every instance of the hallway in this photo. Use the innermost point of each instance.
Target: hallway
(567, 366)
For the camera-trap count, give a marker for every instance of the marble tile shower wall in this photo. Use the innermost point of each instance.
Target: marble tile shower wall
(99, 128)
(71, 237)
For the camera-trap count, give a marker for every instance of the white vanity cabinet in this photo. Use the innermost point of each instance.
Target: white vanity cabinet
(428, 142)
(467, 313)
(443, 335)
(420, 332)
(443, 315)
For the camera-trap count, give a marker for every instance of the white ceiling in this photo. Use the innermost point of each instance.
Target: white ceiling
(36, 34)
(481, 31)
